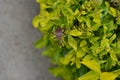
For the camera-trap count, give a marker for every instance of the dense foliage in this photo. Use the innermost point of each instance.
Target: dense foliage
(82, 38)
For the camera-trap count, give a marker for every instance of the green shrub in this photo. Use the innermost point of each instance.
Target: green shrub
(81, 37)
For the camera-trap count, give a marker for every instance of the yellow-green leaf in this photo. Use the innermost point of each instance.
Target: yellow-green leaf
(113, 11)
(83, 43)
(85, 49)
(91, 75)
(97, 19)
(118, 20)
(75, 32)
(108, 76)
(78, 64)
(87, 57)
(107, 4)
(113, 55)
(94, 39)
(98, 2)
(117, 72)
(65, 60)
(92, 64)
(72, 60)
(104, 42)
(112, 38)
(72, 42)
(83, 12)
(36, 21)
(80, 53)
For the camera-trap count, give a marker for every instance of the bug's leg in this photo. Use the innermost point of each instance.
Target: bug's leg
(53, 34)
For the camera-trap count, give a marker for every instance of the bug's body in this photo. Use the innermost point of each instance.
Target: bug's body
(58, 33)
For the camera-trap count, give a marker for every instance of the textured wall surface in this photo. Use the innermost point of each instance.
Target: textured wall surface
(19, 60)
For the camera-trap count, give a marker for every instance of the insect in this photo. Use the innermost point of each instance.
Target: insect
(59, 32)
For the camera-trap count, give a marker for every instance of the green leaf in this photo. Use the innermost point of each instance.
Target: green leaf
(49, 51)
(61, 72)
(65, 60)
(92, 64)
(102, 54)
(78, 64)
(57, 22)
(105, 42)
(80, 53)
(112, 38)
(83, 70)
(98, 2)
(105, 29)
(42, 42)
(81, 19)
(86, 49)
(109, 64)
(95, 48)
(111, 25)
(83, 12)
(67, 11)
(74, 32)
(94, 39)
(87, 57)
(91, 75)
(55, 58)
(54, 53)
(107, 4)
(97, 20)
(56, 4)
(96, 26)
(36, 21)
(118, 20)
(73, 60)
(83, 43)
(48, 26)
(113, 55)
(117, 72)
(113, 11)
(108, 76)
(76, 11)
(72, 42)
(99, 49)
(97, 17)
(88, 22)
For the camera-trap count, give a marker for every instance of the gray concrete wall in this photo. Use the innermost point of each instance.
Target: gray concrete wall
(19, 60)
